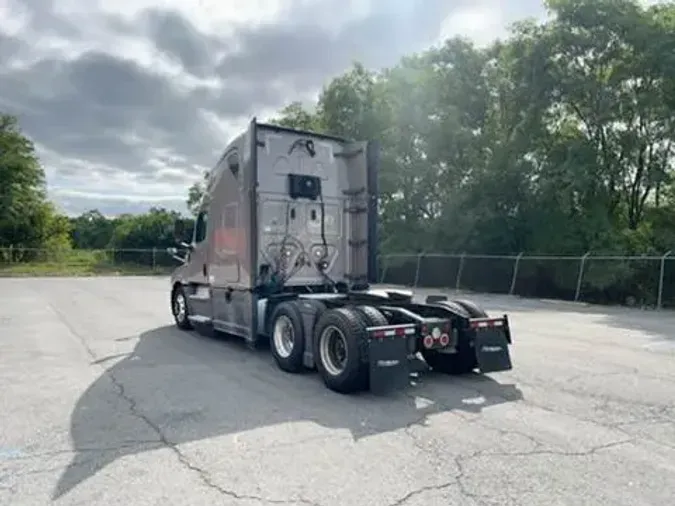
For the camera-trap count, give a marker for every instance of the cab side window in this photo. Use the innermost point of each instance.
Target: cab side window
(200, 227)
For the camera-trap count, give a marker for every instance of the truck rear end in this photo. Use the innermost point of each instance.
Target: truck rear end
(317, 237)
(289, 254)
(317, 208)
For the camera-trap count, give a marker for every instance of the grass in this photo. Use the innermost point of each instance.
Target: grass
(82, 263)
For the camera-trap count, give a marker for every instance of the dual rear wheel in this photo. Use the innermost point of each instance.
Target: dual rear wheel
(339, 343)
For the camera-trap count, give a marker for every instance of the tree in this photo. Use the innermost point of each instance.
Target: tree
(27, 219)
(296, 116)
(153, 229)
(559, 139)
(195, 193)
(92, 230)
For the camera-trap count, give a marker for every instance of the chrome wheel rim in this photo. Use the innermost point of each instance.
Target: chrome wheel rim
(333, 350)
(179, 307)
(284, 336)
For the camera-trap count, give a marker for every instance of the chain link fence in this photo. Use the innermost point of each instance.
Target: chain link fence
(645, 281)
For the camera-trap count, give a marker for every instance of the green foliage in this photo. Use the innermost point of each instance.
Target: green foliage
(558, 140)
(195, 193)
(27, 219)
(92, 230)
(153, 229)
(296, 116)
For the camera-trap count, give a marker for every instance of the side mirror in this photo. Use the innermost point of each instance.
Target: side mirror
(174, 254)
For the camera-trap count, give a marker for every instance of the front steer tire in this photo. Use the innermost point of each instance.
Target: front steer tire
(347, 325)
(178, 301)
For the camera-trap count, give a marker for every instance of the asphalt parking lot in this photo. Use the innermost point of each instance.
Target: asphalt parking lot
(105, 402)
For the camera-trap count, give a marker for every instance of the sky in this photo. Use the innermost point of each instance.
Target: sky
(128, 102)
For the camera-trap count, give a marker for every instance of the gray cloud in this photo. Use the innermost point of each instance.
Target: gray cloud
(301, 51)
(44, 20)
(180, 39)
(116, 114)
(10, 47)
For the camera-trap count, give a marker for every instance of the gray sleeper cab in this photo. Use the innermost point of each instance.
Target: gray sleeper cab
(284, 249)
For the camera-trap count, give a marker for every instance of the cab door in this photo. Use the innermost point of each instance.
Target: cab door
(197, 270)
(197, 265)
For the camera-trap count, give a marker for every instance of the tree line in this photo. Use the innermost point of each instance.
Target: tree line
(30, 222)
(558, 139)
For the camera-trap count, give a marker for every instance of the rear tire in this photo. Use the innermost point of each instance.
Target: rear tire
(287, 337)
(474, 310)
(373, 317)
(339, 339)
(179, 308)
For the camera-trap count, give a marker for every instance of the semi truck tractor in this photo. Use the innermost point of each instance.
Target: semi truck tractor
(283, 250)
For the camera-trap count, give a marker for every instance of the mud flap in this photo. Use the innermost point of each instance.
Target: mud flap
(389, 365)
(492, 350)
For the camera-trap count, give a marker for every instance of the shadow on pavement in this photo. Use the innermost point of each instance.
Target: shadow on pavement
(177, 387)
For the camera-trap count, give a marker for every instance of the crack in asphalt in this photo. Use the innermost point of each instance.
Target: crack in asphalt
(603, 397)
(208, 480)
(421, 490)
(203, 475)
(461, 460)
(659, 412)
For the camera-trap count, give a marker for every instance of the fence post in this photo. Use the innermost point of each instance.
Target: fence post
(659, 297)
(417, 269)
(385, 266)
(515, 273)
(154, 261)
(459, 271)
(581, 275)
